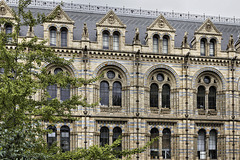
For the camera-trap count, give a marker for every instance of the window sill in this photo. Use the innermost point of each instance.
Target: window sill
(111, 109)
(165, 110)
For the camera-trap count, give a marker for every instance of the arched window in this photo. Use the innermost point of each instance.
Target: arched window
(155, 43)
(117, 94)
(65, 138)
(64, 33)
(115, 41)
(8, 29)
(51, 135)
(201, 144)
(165, 45)
(166, 144)
(117, 133)
(213, 144)
(104, 93)
(65, 93)
(154, 95)
(154, 148)
(52, 91)
(212, 98)
(212, 47)
(201, 97)
(203, 47)
(53, 36)
(166, 96)
(105, 40)
(104, 136)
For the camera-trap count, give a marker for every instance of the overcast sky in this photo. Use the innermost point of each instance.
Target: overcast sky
(224, 8)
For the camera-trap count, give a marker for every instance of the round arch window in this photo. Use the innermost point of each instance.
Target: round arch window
(160, 77)
(110, 74)
(207, 79)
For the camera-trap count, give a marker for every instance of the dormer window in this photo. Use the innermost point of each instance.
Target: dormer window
(116, 41)
(212, 47)
(155, 43)
(105, 40)
(64, 32)
(53, 36)
(203, 47)
(165, 45)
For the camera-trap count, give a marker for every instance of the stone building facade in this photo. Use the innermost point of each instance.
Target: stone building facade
(170, 75)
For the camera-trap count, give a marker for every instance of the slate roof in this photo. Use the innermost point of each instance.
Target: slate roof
(132, 22)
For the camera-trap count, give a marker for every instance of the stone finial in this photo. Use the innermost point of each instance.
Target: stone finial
(230, 46)
(185, 42)
(30, 32)
(136, 39)
(85, 34)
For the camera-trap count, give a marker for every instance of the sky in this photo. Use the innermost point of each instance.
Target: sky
(224, 8)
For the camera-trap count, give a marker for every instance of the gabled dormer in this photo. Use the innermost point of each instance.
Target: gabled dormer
(207, 39)
(59, 30)
(160, 36)
(111, 32)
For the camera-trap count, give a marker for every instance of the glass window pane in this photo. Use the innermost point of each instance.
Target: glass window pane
(203, 48)
(57, 70)
(165, 45)
(9, 32)
(65, 138)
(166, 96)
(212, 98)
(213, 144)
(155, 44)
(104, 136)
(117, 132)
(211, 48)
(201, 97)
(110, 74)
(115, 41)
(105, 41)
(154, 148)
(52, 91)
(117, 94)
(65, 93)
(166, 143)
(104, 93)
(64, 37)
(154, 95)
(53, 35)
(51, 137)
(201, 140)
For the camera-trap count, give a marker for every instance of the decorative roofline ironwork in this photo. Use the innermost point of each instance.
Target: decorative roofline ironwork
(44, 4)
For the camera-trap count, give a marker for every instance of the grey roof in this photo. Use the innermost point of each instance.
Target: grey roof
(132, 22)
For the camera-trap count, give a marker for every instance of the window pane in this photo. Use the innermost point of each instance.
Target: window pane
(203, 48)
(117, 94)
(105, 41)
(212, 98)
(53, 37)
(166, 144)
(165, 45)
(115, 41)
(117, 132)
(51, 137)
(201, 140)
(155, 44)
(65, 138)
(52, 91)
(64, 37)
(166, 96)
(213, 144)
(154, 148)
(65, 93)
(211, 48)
(201, 97)
(104, 93)
(154, 95)
(104, 136)
(9, 32)
(57, 70)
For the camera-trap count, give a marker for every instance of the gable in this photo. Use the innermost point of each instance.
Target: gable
(161, 24)
(208, 28)
(5, 10)
(60, 16)
(111, 20)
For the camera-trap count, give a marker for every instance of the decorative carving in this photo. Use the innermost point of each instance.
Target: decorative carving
(185, 42)
(111, 109)
(165, 110)
(161, 23)
(111, 19)
(212, 112)
(59, 15)
(136, 39)
(201, 112)
(208, 27)
(230, 46)
(2, 10)
(85, 34)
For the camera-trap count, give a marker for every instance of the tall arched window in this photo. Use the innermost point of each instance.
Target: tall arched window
(104, 93)
(65, 138)
(53, 36)
(52, 91)
(166, 144)
(117, 94)
(166, 96)
(201, 144)
(65, 93)
(154, 148)
(203, 47)
(154, 95)
(165, 45)
(52, 135)
(117, 133)
(201, 97)
(8, 29)
(212, 47)
(116, 41)
(64, 33)
(104, 136)
(155, 43)
(212, 98)
(105, 40)
(213, 144)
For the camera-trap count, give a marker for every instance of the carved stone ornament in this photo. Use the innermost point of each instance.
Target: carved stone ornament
(2, 10)
(160, 23)
(208, 27)
(59, 15)
(111, 19)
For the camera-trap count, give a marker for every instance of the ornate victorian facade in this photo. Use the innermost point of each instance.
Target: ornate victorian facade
(176, 77)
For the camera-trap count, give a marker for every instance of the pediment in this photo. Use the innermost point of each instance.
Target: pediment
(5, 10)
(161, 24)
(208, 28)
(60, 15)
(111, 20)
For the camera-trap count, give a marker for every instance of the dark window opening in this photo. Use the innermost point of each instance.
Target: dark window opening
(104, 93)
(166, 96)
(154, 95)
(154, 148)
(104, 136)
(201, 98)
(166, 144)
(65, 138)
(117, 94)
